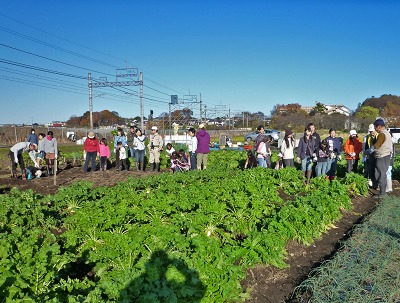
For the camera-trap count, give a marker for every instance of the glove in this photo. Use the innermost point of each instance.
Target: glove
(352, 154)
(339, 158)
(298, 159)
(84, 156)
(315, 159)
(16, 160)
(37, 165)
(332, 156)
(314, 155)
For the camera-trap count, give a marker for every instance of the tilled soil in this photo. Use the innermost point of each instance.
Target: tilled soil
(268, 284)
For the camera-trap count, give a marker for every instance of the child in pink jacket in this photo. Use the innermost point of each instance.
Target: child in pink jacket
(104, 154)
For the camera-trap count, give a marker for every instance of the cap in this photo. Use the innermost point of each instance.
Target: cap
(353, 132)
(91, 135)
(154, 128)
(288, 132)
(201, 125)
(371, 128)
(379, 122)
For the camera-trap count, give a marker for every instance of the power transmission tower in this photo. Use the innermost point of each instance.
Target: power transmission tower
(187, 102)
(125, 73)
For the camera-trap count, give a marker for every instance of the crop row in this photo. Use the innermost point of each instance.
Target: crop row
(184, 237)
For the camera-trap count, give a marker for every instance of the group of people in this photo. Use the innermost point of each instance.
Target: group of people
(40, 147)
(198, 147)
(377, 149)
(133, 144)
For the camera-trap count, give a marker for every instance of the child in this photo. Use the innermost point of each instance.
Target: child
(269, 153)
(279, 163)
(174, 160)
(104, 154)
(121, 164)
(322, 158)
(251, 160)
(41, 154)
(33, 172)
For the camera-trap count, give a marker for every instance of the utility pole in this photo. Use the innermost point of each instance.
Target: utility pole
(90, 100)
(229, 119)
(201, 109)
(121, 73)
(141, 103)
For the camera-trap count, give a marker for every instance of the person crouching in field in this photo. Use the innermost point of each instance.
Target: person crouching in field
(16, 158)
(104, 154)
(251, 160)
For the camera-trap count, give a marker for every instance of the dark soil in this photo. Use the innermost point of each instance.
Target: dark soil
(268, 284)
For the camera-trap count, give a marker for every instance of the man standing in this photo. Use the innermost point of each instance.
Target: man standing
(383, 149)
(203, 147)
(259, 138)
(16, 158)
(369, 155)
(193, 148)
(155, 146)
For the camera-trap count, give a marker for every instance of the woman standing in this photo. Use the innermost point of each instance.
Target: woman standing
(335, 148)
(91, 150)
(352, 148)
(138, 143)
(287, 148)
(262, 152)
(305, 153)
(50, 146)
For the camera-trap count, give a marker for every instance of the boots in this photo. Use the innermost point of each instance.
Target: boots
(309, 172)
(23, 175)
(157, 167)
(389, 188)
(14, 174)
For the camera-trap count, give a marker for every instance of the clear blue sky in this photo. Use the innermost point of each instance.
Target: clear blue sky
(246, 55)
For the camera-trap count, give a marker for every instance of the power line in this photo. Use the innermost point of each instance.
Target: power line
(61, 38)
(53, 46)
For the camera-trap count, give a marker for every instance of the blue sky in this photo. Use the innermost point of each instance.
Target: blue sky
(240, 55)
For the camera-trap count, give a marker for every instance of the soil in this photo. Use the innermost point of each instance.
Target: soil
(268, 284)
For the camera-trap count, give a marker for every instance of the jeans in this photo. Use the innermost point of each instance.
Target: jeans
(139, 155)
(90, 156)
(261, 162)
(320, 168)
(193, 160)
(306, 164)
(132, 152)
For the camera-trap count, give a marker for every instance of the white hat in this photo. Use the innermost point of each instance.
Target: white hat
(201, 125)
(353, 132)
(91, 135)
(34, 145)
(371, 128)
(154, 128)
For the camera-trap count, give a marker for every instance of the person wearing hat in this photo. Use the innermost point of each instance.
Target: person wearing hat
(352, 148)
(287, 149)
(155, 146)
(383, 148)
(203, 147)
(91, 150)
(369, 155)
(16, 158)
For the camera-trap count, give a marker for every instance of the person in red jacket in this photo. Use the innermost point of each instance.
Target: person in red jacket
(352, 148)
(91, 149)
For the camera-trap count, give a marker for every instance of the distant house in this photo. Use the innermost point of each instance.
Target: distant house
(330, 109)
(340, 109)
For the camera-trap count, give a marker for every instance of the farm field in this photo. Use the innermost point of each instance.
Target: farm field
(203, 235)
